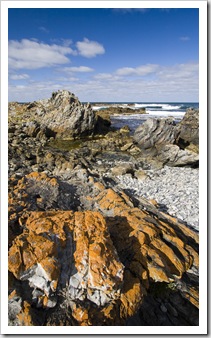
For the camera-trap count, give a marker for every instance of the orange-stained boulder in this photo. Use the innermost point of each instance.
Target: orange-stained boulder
(155, 246)
(106, 259)
(39, 255)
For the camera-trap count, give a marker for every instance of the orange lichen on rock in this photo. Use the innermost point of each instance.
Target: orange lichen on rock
(31, 192)
(81, 315)
(24, 317)
(28, 249)
(107, 257)
(131, 295)
(99, 272)
(50, 222)
(96, 272)
(157, 243)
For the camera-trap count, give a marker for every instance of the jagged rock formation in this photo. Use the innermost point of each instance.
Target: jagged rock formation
(155, 131)
(170, 143)
(188, 131)
(95, 267)
(67, 117)
(61, 116)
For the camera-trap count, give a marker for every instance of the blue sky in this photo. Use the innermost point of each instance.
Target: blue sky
(104, 54)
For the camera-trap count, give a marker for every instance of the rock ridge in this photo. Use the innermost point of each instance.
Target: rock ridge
(105, 259)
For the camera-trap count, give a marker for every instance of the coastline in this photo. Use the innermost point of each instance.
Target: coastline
(102, 201)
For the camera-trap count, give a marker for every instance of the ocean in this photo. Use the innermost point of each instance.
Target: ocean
(153, 109)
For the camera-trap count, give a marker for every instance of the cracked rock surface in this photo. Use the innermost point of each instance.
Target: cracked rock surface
(105, 260)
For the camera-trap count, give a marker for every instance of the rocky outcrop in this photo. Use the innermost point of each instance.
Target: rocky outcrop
(65, 115)
(188, 131)
(60, 247)
(167, 142)
(155, 131)
(123, 110)
(95, 267)
(62, 116)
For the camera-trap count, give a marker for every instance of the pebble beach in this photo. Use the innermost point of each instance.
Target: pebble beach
(174, 189)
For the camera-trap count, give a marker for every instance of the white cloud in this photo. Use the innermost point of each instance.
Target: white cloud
(89, 48)
(125, 71)
(28, 54)
(170, 83)
(19, 76)
(182, 72)
(104, 76)
(139, 71)
(80, 69)
(67, 79)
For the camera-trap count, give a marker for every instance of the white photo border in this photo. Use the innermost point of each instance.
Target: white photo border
(146, 330)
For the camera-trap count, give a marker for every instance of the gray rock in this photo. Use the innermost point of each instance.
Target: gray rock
(188, 130)
(163, 308)
(163, 140)
(155, 131)
(122, 169)
(67, 116)
(14, 307)
(172, 155)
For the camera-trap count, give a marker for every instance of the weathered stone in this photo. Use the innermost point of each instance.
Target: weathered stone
(67, 117)
(99, 272)
(122, 111)
(124, 168)
(140, 175)
(63, 116)
(155, 131)
(142, 234)
(19, 311)
(171, 154)
(165, 141)
(95, 272)
(188, 130)
(32, 128)
(59, 247)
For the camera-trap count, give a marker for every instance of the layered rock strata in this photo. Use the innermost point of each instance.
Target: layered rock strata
(170, 144)
(98, 266)
(61, 116)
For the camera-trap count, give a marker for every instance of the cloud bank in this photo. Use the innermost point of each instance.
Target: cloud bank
(89, 48)
(177, 82)
(28, 54)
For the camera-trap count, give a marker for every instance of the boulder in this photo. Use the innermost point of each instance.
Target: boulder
(67, 116)
(62, 115)
(62, 247)
(168, 143)
(187, 131)
(155, 131)
(172, 155)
